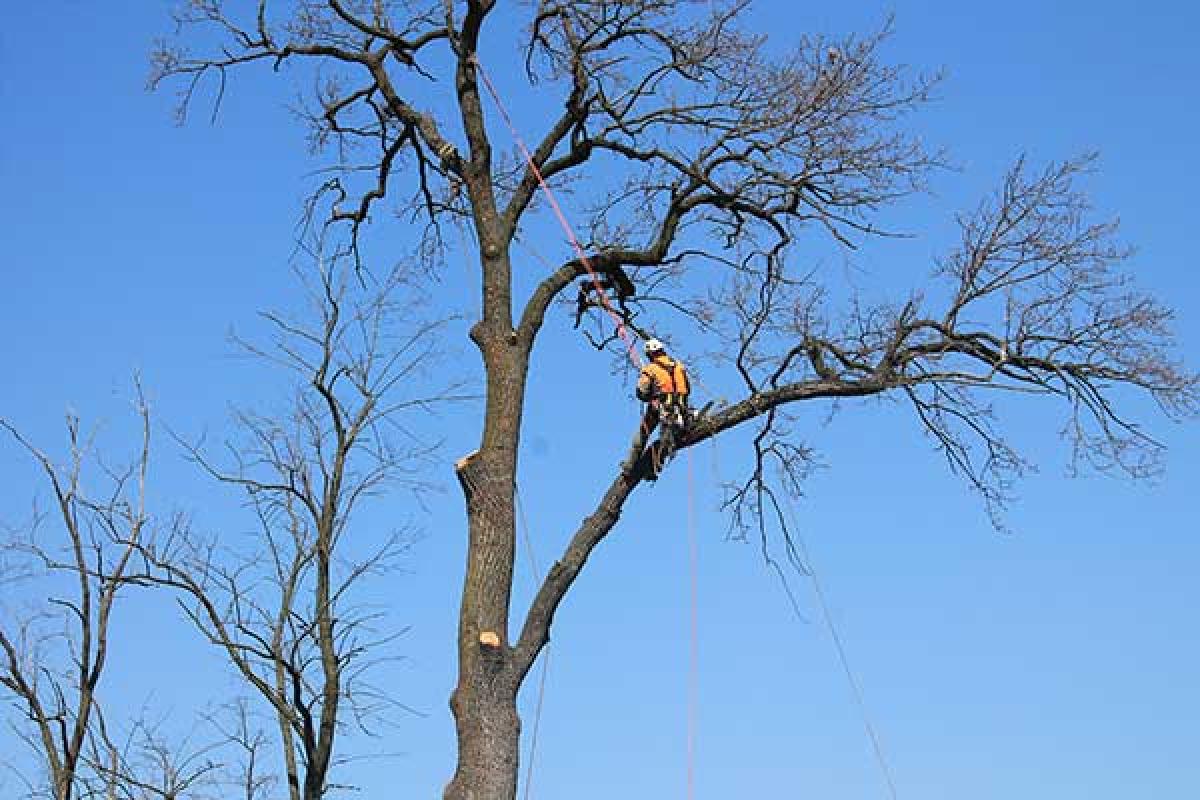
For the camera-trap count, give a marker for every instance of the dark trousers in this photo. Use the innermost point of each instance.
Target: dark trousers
(672, 412)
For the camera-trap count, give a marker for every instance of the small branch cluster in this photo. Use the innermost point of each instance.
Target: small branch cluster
(284, 613)
(357, 107)
(1034, 303)
(79, 553)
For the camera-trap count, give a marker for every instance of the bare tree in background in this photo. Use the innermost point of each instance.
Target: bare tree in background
(76, 558)
(284, 609)
(149, 764)
(223, 754)
(73, 565)
(714, 169)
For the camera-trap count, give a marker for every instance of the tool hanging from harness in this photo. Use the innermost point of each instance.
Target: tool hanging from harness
(664, 386)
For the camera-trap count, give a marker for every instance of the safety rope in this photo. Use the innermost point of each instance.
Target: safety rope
(622, 331)
(827, 617)
(541, 691)
(843, 658)
(622, 328)
(694, 648)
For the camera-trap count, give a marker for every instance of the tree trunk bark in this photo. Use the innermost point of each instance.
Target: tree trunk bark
(484, 702)
(489, 735)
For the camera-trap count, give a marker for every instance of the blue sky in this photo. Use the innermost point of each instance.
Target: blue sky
(1057, 661)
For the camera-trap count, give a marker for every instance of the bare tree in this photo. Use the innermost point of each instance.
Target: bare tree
(77, 557)
(251, 779)
(712, 166)
(223, 753)
(284, 610)
(149, 764)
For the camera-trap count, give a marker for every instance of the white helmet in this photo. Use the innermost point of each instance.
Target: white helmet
(653, 346)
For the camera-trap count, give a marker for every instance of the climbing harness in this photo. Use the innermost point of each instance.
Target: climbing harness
(664, 385)
(673, 419)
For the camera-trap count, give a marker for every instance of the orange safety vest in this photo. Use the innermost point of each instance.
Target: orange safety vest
(668, 375)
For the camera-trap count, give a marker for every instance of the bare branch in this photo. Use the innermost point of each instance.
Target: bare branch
(284, 613)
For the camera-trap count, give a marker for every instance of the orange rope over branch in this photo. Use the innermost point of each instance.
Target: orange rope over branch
(618, 320)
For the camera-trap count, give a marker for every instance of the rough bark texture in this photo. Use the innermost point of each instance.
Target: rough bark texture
(484, 700)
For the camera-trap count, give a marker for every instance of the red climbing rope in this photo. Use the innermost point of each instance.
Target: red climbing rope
(694, 648)
(622, 329)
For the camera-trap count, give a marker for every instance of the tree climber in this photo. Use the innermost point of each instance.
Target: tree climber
(664, 387)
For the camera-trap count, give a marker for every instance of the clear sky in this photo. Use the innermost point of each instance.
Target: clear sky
(1057, 662)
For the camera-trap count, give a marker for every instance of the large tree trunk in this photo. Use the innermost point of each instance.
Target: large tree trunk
(485, 700)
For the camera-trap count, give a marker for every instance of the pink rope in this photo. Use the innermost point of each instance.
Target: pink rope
(622, 329)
